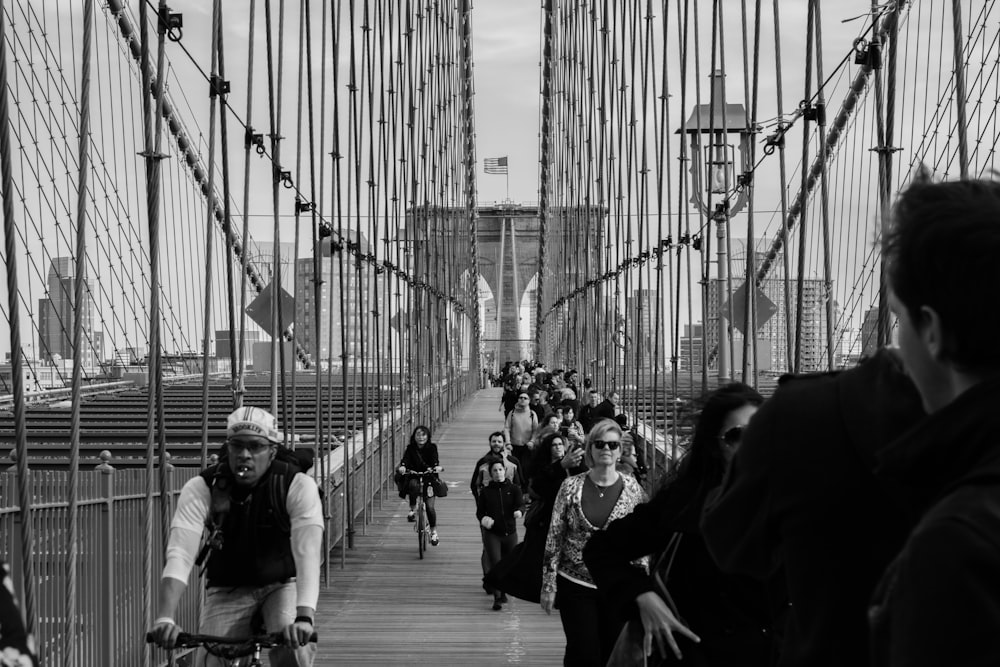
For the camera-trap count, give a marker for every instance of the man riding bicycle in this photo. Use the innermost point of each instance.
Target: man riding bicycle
(265, 523)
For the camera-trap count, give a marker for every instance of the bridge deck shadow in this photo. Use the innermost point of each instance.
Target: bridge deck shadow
(388, 607)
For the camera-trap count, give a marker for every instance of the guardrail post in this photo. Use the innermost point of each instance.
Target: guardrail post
(107, 520)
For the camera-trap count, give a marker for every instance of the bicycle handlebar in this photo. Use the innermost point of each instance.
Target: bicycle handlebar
(193, 640)
(424, 473)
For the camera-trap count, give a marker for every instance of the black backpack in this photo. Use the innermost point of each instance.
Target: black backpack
(287, 462)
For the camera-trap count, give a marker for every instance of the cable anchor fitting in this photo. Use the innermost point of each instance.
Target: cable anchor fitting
(217, 86)
(814, 112)
(868, 54)
(171, 23)
(284, 176)
(251, 138)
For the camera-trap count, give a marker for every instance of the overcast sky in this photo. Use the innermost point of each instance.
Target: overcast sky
(506, 45)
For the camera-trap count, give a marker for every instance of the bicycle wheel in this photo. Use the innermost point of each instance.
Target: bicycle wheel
(421, 530)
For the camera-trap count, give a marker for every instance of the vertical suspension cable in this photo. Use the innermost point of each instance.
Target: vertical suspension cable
(14, 315)
(750, 364)
(209, 227)
(886, 151)
(824, 190)
(273, 97)
(152, 131)
(240, 388)
(959, 63)
(545, 171)
(786, 291)
(469, 155)
(800, 276)
(227, 223)
(300, 206)
(79, 307)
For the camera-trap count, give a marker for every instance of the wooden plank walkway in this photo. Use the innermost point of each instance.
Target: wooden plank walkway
(388, 607)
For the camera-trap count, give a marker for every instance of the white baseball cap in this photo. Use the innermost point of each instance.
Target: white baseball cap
(253, 422)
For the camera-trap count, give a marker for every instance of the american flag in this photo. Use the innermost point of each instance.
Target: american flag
(495, 165)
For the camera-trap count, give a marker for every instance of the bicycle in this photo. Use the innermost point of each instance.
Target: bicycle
(422, 527)
(232, 649)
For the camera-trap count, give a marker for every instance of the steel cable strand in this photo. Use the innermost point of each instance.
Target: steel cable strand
(69, 646)
(346, 526)
(298, 208)
(20, 426)
(316, 254)
(751, 99)
(21, 191)
(66, 163)
(209, 229)
(545, 167)
(191, 158)
(274, 83)
(240, 387)
(833, 137)
(227, 199)
(152, 425)
(824, 194)
(960, 93)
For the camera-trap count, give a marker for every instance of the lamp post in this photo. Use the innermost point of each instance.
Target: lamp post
(716, 187)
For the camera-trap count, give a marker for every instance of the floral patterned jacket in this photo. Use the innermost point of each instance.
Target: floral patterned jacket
(569, 530)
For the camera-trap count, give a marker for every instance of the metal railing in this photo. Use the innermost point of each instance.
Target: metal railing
(111, 620)
(111, 615)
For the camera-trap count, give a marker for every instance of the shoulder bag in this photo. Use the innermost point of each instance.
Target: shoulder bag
(628, 650)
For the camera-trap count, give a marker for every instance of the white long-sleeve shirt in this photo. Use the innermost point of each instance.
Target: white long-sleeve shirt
(304, 511)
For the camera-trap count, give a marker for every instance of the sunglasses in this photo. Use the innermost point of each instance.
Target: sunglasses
(733, 436)
(236, 447)
(606, 444)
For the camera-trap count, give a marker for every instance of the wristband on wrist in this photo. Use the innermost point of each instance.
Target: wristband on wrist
(303, 619)
(164, 619)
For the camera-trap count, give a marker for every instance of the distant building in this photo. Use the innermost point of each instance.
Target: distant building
(56, 316)
(689, 354)
(772, 332)
(868, 338)
(336, 296)
(640, 330)
(223, 344)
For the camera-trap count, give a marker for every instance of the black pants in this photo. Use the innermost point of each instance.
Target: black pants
(413, 488)
(590, 625)
(496, 547)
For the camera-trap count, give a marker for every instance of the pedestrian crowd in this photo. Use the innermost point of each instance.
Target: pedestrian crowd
(853, 518)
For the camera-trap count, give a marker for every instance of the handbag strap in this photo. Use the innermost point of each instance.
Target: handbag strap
(661, 571)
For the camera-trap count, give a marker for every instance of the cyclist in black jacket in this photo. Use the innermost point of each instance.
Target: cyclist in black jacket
(421, 455)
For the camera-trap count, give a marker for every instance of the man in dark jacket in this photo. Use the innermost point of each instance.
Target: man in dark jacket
(800, 493)
(938, 603)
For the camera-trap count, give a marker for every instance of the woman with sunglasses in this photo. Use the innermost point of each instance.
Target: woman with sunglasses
(727, 619)
(586, 505)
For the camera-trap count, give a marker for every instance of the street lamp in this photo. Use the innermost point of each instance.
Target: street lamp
(717, 187)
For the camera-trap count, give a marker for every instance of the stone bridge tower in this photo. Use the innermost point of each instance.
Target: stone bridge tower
(508, 249)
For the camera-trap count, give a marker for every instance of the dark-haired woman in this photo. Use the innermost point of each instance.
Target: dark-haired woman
(421, 455)
(729, 617)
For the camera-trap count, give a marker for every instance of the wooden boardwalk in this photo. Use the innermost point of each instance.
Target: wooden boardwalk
(388, 607)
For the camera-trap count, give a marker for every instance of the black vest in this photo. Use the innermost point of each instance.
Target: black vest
(256, 531)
